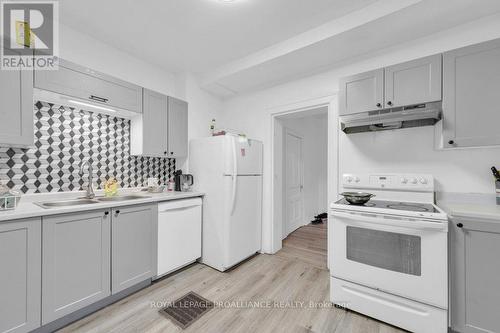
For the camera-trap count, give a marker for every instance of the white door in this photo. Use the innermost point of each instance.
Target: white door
(294, 202)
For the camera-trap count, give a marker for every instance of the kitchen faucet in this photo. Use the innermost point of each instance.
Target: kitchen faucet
(90, 188)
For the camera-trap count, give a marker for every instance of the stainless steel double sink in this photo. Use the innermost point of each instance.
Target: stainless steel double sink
(85, 201)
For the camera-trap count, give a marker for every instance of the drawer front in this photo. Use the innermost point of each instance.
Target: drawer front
(120, 95)
(76, 81)
(398, 311)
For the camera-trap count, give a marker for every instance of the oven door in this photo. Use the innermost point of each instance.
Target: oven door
(402, 256)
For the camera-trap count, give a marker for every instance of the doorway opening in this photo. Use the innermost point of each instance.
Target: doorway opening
(301, 181)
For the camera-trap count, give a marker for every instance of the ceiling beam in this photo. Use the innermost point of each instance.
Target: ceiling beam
(355, 19)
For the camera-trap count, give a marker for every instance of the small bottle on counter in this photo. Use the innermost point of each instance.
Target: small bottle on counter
(170, 185)
(212, 127)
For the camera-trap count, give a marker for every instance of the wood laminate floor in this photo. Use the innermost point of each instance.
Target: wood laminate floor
(279, 283)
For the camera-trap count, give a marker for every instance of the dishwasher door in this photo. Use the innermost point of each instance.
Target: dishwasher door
(179, 234)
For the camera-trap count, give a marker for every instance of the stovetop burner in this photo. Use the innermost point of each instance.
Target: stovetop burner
(401, 206)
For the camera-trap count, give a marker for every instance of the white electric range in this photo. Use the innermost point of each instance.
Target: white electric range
(390, 256)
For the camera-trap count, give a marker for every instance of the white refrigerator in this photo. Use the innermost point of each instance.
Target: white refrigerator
(228, 169)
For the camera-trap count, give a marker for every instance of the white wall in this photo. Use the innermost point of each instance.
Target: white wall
(314, 133)
(84, 50)
(203, 107)
(405, 150)
(411, 150)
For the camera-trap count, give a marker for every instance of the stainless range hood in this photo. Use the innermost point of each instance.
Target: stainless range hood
(400, 117)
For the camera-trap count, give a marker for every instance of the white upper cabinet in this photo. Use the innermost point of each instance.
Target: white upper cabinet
(413, 82)
(149, 130)
(86, 84)
(16, 111)
(177, 127)
(471, 90)
(162, 129)
(362, 92)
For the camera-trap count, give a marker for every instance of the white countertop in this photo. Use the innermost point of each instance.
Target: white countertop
(27, 207)
(466, 205)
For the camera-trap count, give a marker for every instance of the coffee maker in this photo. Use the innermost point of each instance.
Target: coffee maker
(183, 182)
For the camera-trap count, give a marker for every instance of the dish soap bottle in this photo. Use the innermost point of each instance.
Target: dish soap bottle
(110, 187)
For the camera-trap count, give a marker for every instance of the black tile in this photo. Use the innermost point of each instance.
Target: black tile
(11, 152)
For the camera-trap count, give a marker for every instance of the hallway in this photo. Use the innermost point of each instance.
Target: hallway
(308, 244)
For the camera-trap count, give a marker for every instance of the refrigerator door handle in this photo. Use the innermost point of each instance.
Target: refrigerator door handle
(234, 175)
(235, 157)
(233, 194)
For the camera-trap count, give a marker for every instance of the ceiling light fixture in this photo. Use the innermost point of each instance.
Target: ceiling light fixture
(91, 105)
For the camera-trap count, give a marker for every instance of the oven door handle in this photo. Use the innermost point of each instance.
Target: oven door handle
(396, 221)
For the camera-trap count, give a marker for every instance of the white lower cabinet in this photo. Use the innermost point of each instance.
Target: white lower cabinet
(53, 266)
(20, 275)
(179, 234)
(133, 244)
(475, 271)
(75, 261)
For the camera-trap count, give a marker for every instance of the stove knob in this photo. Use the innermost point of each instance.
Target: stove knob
(414, 180)
(349, 179)
(423, 181)
(404, 180)
(357, 180)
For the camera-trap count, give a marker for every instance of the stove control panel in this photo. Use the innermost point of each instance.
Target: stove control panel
(405, 182)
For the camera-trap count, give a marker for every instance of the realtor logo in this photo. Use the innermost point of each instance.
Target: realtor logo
(30, 37)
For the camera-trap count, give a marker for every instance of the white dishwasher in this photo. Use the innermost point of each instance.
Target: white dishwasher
(179, 234)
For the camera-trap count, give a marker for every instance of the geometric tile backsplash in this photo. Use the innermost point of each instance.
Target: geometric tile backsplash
(64, 138)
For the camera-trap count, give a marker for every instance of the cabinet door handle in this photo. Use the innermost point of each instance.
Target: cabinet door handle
(389, 103)
(117, 212)
(171, 153)
(98, 99)
(379, 105)
(460, 225)
(106, 213)
(451, 142)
